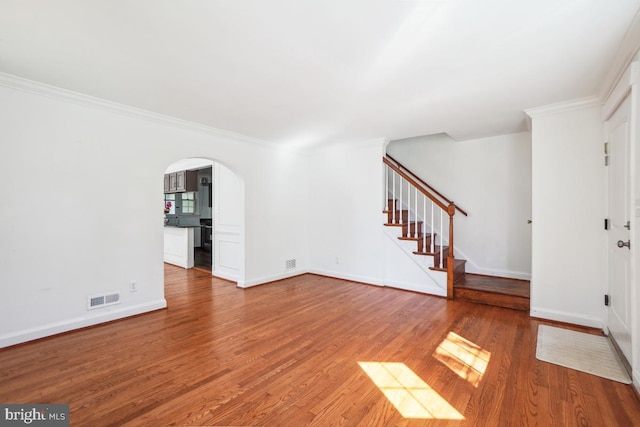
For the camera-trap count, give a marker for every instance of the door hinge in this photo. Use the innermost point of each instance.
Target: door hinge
(606, 223)
(606, 299)
(606, 154)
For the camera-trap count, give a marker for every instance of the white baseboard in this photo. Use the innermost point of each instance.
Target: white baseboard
(562, 316)
(473, 268)
(31, 334)
(351, 277)
(432, 290)
(286, 275)
(268, 279)
(635, 377)
(423, 289)
(509, 274)
(225, 276)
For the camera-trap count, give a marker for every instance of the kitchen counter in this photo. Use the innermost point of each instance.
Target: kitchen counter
(178, 246)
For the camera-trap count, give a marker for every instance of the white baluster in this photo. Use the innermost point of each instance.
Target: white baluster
(441, 236)
(400, 200)
(409, 188)
(385, 203)
(433, 229)
(424, 223)
(408, 206)
(415, 224)
(393, 198)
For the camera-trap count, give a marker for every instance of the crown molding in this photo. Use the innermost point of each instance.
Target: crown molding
(64, 95)
(561, 107)
(626, 53)
(621, 89)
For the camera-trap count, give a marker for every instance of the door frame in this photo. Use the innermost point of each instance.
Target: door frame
(629, 85)
(619, 207)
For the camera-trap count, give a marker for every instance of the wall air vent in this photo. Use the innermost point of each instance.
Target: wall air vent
(102, 300)
(290, 264)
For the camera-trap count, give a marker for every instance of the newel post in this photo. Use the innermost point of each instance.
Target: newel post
(451, 210)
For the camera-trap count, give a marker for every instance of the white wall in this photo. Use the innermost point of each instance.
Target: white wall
(188, 164)
(345, 212)
(568, 243)
(82, 180)
(275, 200)
(405, 270)
(490, 178)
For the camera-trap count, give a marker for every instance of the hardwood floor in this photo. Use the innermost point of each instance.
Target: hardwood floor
(288, 353)
(202, 258)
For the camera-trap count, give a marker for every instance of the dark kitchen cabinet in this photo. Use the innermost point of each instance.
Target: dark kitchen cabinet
(181, 181)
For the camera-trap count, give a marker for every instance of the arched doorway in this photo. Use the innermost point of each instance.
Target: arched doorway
(204, 217)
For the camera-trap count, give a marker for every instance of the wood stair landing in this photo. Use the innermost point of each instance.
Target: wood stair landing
(497, 291)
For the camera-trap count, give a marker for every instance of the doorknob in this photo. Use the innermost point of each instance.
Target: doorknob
(622, 244)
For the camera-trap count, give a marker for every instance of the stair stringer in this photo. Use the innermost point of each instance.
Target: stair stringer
(406, 270)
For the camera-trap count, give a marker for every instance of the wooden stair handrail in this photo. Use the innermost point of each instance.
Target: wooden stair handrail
(400, 166)
(409, 179)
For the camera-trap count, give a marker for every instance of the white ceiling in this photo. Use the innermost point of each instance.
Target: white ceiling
(304, 72)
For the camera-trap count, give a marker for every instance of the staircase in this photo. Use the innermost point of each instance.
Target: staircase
(421, 212)
(491, 290)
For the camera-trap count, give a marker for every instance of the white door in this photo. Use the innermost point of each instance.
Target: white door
(619, 244)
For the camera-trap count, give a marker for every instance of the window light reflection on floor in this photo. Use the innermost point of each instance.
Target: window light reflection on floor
(410, 395)
(468, 360)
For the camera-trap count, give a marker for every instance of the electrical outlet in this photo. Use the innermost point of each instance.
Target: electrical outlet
(337, 260)
(133, 286)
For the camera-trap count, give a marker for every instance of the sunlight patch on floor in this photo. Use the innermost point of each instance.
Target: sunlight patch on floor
(411, 396)
(468, 360)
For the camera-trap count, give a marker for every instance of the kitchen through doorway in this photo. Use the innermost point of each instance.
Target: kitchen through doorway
(204, 217)
(188, 200)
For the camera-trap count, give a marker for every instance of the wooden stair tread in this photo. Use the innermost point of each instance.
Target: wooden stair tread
(457, 263)
(413, 239)
(496, 291)
(496, 285)
(436, 251)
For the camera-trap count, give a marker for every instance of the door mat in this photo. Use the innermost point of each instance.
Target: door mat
(580, 351)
